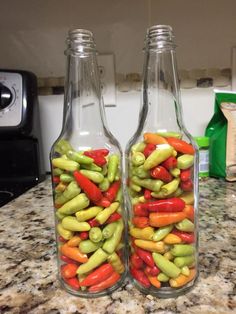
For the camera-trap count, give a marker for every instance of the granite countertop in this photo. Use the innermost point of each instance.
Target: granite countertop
(28, 278)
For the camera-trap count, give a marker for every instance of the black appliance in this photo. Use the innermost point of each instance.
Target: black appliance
(21, 153)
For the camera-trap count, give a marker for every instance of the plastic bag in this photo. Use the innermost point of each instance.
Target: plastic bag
(222, 133)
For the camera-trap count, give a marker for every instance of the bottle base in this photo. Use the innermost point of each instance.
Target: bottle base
(164, 292)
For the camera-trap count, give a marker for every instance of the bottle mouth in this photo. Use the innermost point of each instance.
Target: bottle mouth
(79, 41)
(159, 37)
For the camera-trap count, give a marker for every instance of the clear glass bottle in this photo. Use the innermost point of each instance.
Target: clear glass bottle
(87, 181)
(162, 179)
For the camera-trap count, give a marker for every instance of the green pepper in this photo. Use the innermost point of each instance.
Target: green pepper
(86, 214)
(65, 177)
(150, 184)
(110, 244)
(134, 187)
(162, 232)
(95, 234)
(170, 187)
(182, 250)
(57, 171)
(71, 191)
(104, 185)
(87, 246)
(140, 172)
(72, 224)
(185, 161)
(138, 147)
(94, 176)
(108, 230)
(185, 225)
(106, 213)
(92, 167)
(64, 233)
(158, 156)
(62, 146)
(65, 164)
(170, 134)
(138, 158)
(93, 262)
(184, 261)
(77, 203)
(175, 172)
(163, 277)
(116, 263)
(113, 163)
(166, 266)
(78, 157)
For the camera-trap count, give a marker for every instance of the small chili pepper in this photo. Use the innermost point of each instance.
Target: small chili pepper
(151, 246)
(89, 213)
(182, 280)
(103, 202)
(170, 205)
(73, 283)
(144, 234)
(138, 147)
(187, 185)
(107, 283)
(189, 211)
(152, 271)
(187, 237)
(90, 189)
(72, 224)
(137, 158)
(170, 163)
(147, 194)
(185, 161)
(115, 261)
(101, 151)
(140, 276)
(110, 244)
(64, 234)
(164, 219)
(139, 211)
(114, 217)
(113, 163)
(112, 191)
(166, 266)
(185, 174)
(61, 239)
(180, 145)
(140, 222)
(65, 164)
(180, 250)
(106, 213)
(69, 270)
(56, 179)
(185, 225)
(67, 259)
(188, 198)
(154, 281)
(93, 223)
(79, 157)
(94, 176)
(98, 275)
(77, 203)
(74, 241)
(84, 235)
(162, 232)
(87, 246)
(172, 239)
(136, 261)
(184, 261)
(148, 149)
(158, 156)
(161, 173)
(95, 260)
(154, 138)
(74, 253)
(98, 159)
(146, 257)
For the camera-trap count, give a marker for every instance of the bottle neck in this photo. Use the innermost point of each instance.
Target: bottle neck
(161, 110)
(83, 110)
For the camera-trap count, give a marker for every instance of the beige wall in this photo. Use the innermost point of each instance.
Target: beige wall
(33, 32)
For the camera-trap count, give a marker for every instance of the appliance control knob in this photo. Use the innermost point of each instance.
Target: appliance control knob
(5, 96)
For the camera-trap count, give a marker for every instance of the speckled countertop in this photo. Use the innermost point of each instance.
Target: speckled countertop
(28, 266)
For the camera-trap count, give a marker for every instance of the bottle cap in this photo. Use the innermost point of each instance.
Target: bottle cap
(202, 141)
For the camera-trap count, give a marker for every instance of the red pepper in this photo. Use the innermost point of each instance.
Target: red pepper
(99, 152)
(146, 257)
(140, 222)
(84, 235)
(140, 276)
(170, 205)
(112, 191)
(56, 179)
(69, 270)
(93, 223)
(67, 259)
(152, 271)
(185, 175)
(161, 173)
(148, 149)
(147, 194)
(103, 202)
(139, 211)
(98, 275)
(170, 163)
(61, 239)
(180, 145)
(186, 185)
(90, 189)
(73, 282)
(98, 159)
(107, 283)
(114, 217)
(187, 237)
(136, 261)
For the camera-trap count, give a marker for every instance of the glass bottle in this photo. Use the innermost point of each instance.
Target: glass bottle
(162, 179)
(86, 181)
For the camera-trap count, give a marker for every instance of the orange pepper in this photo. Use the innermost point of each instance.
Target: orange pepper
(189, 212)
(180, 145)
(152, 246)
(74, 253)
(164, 219)
(153, 280)
(172, 239)
(74, 241)
(182, 280)
(153, 138)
